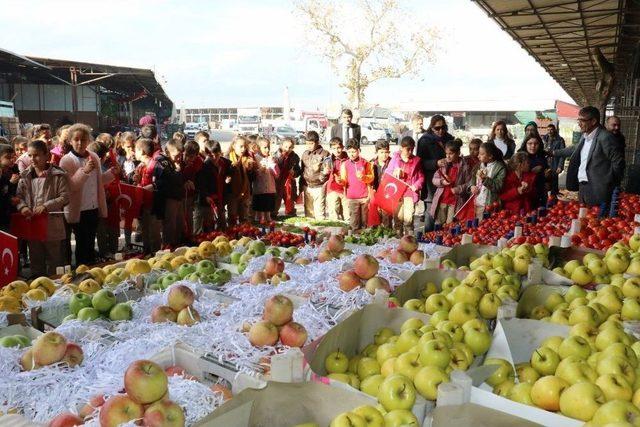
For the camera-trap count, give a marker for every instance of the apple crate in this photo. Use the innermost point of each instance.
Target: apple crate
(282, 404)
(417, 282)
(559, 256)
(462, 254)
(515, 340)
(351, 336)
(203, 368)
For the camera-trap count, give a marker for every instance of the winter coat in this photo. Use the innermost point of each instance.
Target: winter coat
(513, 201)
(430, 149)
(315, 168)
(461, 184)
(413, 171)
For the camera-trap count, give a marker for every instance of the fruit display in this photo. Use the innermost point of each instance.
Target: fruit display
(277, 324)
(406, 251)
(179, 308)
(333, 249)
(51, 348)
(370, 236)
(283, 239)
(100, 305)
(273, 272)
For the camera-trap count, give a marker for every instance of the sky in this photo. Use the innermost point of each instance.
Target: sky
(245, 52)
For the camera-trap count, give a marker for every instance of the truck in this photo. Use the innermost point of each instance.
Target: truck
(372, 131)
(248, 121)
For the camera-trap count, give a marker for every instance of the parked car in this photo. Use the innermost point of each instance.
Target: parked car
(281, 132)
(372, 132)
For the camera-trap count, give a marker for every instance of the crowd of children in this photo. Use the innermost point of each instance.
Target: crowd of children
(74, 179)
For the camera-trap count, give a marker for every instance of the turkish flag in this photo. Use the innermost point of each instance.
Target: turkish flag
(9, 258)
(30, 228)
(467, 211)
(129, 201)
(390, 193)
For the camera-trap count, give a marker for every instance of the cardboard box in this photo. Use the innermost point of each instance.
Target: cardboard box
(280, 404)
(473, 415)
(515, 340)
(352, 335)
(559, 256)
(534, 295)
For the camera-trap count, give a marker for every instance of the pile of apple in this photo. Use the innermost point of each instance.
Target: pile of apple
(51, 348)
(101, 305)
(407, 251)
(397, 367)
(367, 415)
(204, 271)
(363, 274)
(334, 249)
(12, 295)
(179, 308)
(15, 341)
(591, 375)
(277, 324)
(273, 272)
(619, 259)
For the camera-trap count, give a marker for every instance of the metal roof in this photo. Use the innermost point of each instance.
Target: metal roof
(560, 34)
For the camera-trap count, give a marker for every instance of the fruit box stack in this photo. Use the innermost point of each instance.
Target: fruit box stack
(351, 336)
(515, 340)
(280, 404)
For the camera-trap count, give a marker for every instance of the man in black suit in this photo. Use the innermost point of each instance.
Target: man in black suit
(346, 129)
(596, 163)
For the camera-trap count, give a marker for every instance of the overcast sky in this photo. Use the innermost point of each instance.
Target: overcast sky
(244, 52)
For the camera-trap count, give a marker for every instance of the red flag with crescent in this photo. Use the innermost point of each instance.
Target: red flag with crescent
(467, 211)
(129, 202)
(30, 228)
(9, 258)
(390, 193)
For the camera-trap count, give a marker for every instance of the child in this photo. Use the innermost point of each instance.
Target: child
(108, 230)
(201, 139)
(474, 148)
(20, 145)
(336, 201)
(206, 188)
(518, 185)
(192, 165)
(451, 181)
(127, 156)
(9, 177)
(356, 174)
(380, 164)
(44, 188)
(106, 139)
(488, 178)
(169, 181)
(264, 182)
(406, 167)
(242, 166)
(87, 200)
(223, 180)
(289, 165)
(149, 157)
(538, 165)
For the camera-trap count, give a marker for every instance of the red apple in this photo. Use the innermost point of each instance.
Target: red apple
(325, 255)
(49, 348)
(366, 266)
(278, 310)
(180, 296)
(73, 356)
(263, 333)
(258, 277)
(66, 419)
(94, 403)
(293, 334)
(349, 280)
(408, 244)
(174, 370)
(335, 243)
(118, 410)
(398, 257)
(226, 393)
(163, 313)
(164, 414)
(145, 381)
(273, 266)
(417, 258)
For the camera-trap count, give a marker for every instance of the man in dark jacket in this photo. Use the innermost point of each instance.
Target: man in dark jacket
(596, 164)
(553, 141)
(431, 152)
(316, 167)
(613, 126)
(346, 130)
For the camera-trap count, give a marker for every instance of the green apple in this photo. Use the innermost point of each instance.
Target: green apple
(79, 301)
(121, 311)
(436, 302)
(449, 283)
(407, 339)
(371, 415)
(412, 323)
(103, 300)
(504, 388)
(438, 316)
(477, 324)
(383, 335)
(616, 411)
(371, 384)
(370, 351)
(553, 300)
(455, 331)
(597, 267)
(503, 373)
(429, 289)
(10, 342)
(407, 364)
(574, 370)
(552, 342)
(575, 346)
(623, 350)
(613, 364)
(614, 387)
(618, 261)
(546, 392)
(608, 336)
(427, 380)
(561, 316)
(343, 378)
(545, 361)
(186, 269)
(585, 330)
(521, 264)
(460, 360)
(526, 374)
(169, 279)
(570, 266)
(258, 247)
(443, 337)
(539, 312)
(583, 314)
(385, 351)
(507, 291)
(581, 401)
(478, 340)
(400, 418)
(336, 362)
(88, 314)
(204, 267)
(434, 353)
(466, 293)
(521, 393)
(397, 392)
(348, 419)
(574, 292)
(461, 312)
(235, 257)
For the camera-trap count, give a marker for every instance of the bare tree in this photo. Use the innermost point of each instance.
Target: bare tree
(367, 41)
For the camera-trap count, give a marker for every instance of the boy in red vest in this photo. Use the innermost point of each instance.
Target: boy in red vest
(356, 174)
(150, 223)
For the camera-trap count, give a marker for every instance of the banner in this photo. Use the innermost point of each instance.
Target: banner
(9, 258)
(29, 228)
(125, 204)
(389, 194)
